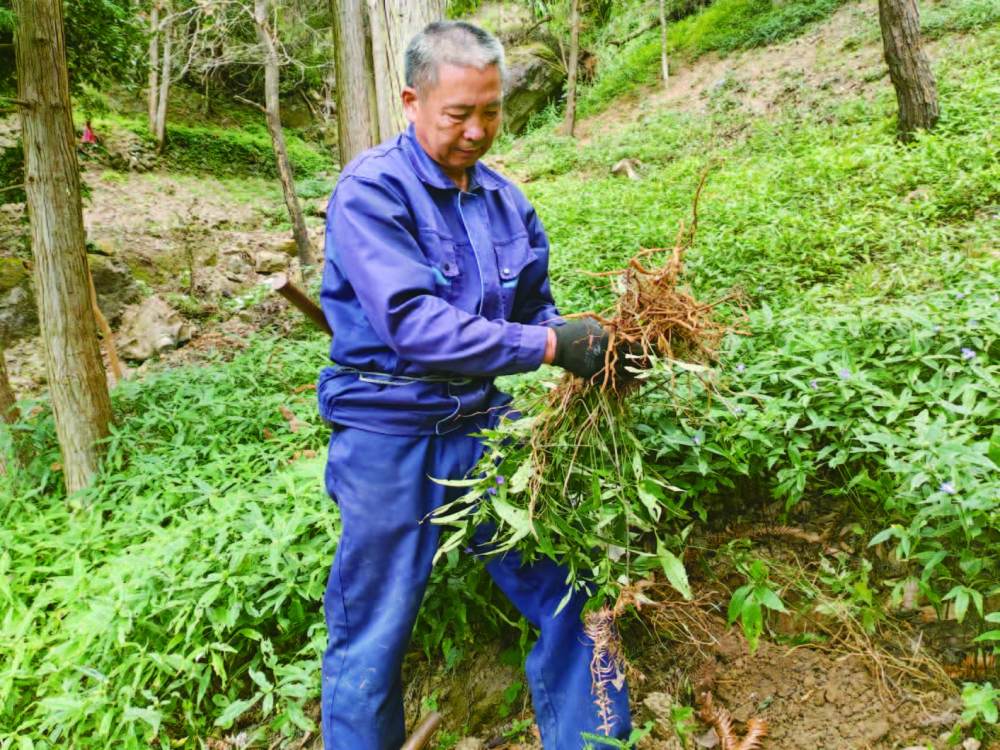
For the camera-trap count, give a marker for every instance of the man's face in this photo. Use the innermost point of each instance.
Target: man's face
(457, 119)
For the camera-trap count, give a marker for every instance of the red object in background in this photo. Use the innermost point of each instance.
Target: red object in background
(88, 135)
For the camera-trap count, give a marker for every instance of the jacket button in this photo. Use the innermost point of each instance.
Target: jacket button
(506, 272)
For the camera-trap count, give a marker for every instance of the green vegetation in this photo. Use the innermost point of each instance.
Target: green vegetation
(246, 151)
(181, 595)
(724, 26)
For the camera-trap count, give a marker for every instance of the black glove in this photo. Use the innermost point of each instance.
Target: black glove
(581, 346)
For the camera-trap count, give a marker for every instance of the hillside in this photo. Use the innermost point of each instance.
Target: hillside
(845, 470)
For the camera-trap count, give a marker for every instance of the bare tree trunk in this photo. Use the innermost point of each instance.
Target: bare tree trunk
(569, 124)
(909, 67)
(154, 63)
(354, 121)
(664, 68)
(8, 406)
(167, 33)
(393, 24)
(265, 35)
(77, 383)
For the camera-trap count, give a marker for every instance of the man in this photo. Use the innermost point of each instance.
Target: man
(436, 280)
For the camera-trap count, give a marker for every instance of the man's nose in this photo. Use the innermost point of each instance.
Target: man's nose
(474, 130)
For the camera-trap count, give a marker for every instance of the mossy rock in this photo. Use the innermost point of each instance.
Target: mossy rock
(13, 273)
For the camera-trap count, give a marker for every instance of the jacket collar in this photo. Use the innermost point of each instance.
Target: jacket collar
(430, 172)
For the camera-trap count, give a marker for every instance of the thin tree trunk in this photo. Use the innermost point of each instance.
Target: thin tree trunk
(909, 68)
(77, 383)
(569, 124)
(109, 336)
(265, 36)
(664, 68)
(164, 95)
(154, 63)
(8, 407)
(354, 122)
(393, 24)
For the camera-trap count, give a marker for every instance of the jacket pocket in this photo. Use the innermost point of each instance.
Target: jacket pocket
(441, 257)
(512, 257)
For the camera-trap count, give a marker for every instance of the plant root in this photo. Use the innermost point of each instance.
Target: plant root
(721, 720)
(607, 664)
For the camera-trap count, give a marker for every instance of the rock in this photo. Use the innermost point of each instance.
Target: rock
(627, 168)
(318, 207)
(18, 314)
(470, 743)
(532, 82)
(268, 261)
(284, 245)
(660, 705)
(114, 285)
(971, 743)
(237, 269)
(13, 272)
(150, 328)
(707, 740)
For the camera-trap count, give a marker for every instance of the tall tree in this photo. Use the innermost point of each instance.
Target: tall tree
(77, 383)
(166, 35)
(664, 68)
(569, 123)
(393, 23)
(354, 112)
(909, 68)
(266, 37)
(370, 38)
(153, 94)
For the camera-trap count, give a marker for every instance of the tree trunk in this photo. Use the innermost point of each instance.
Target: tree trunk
(354, 123)
(664, 68)
(164, 94)
(8, 406)
(265, 35)
(77, 383)
(909, 67)
(154, 63)
(569, 124)
(393, 23)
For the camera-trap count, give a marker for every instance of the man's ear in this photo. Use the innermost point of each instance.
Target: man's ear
(411, 103)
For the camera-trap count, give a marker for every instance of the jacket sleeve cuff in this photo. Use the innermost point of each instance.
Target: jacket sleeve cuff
(531, 350)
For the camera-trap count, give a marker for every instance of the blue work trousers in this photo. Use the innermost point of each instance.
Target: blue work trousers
(383, 486)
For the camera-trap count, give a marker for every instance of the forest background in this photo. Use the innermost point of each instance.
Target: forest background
(838, 493)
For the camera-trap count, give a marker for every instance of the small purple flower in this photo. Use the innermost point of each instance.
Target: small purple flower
(937, 329)
(501, 479)
(492, 490)
(737, 410)
(968, 353)
(740, 367)
(696, 439)
(973, 322)
(947, 488)
(844, 374)
(814, 384)
(959, 295)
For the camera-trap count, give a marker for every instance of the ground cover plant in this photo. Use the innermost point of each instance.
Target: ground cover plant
(180, 598)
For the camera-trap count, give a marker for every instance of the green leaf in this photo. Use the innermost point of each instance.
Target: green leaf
(235, 710)
(674, 570)
(736, 603)
(770, 599)
(516, 518)
(522, 476)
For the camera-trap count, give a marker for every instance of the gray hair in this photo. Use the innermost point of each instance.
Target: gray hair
(453, 43)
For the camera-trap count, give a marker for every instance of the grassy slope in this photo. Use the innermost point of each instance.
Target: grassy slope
(188, 591)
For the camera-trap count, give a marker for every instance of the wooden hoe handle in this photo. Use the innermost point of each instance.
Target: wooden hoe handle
(422, 734)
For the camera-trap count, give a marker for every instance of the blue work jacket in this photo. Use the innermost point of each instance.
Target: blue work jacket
(431, 291)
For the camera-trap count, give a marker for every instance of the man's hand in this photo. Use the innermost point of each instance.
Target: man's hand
(579, 346)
